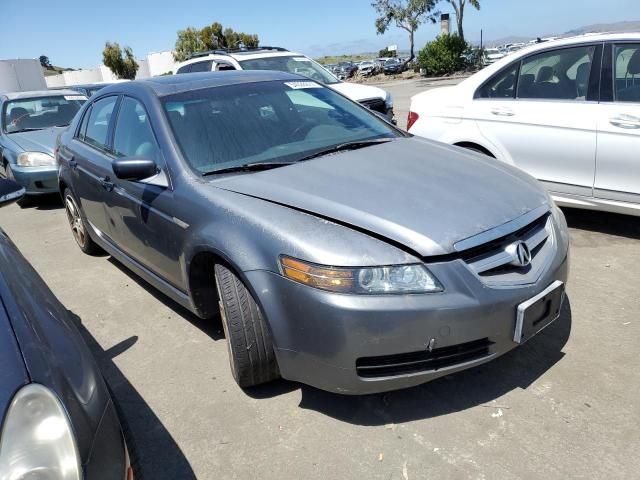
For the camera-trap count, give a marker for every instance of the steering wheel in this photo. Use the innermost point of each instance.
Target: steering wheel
(304, 127)
(17, 120)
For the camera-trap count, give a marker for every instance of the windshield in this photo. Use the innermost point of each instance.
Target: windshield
(292, 64)
(41, 112)
(225, 127)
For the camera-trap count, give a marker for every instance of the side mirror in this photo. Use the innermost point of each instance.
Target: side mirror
(10, 192)
(134, 168)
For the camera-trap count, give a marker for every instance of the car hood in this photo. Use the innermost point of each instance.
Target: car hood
(358, 92)
(424, 195)
(37, 140)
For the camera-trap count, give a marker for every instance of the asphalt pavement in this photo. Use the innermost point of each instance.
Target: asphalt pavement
(564, 405)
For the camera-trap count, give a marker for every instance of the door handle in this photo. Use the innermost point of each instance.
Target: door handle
(503, 112)
(107, 184)
(625, 121)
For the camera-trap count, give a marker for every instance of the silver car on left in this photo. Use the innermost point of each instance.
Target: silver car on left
(29, 125)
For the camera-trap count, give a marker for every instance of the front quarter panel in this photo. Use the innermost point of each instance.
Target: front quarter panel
(251, 234)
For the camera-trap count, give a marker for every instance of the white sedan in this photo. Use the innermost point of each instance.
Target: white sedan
(567, 112)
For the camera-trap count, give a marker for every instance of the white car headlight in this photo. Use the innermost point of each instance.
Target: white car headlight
(35, 159)
(414, 278)
(37, 441)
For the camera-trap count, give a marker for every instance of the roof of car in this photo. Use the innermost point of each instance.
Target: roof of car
(171, 84)
(37, 93)
(241, 55)
(590, 38)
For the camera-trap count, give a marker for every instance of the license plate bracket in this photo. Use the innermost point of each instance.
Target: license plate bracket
(538, 312)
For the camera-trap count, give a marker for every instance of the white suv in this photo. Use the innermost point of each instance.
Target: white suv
(567, 112)
(280, 59)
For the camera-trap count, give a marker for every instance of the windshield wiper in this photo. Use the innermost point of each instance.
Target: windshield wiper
(25, 130)
(248, 167)
(346, 146)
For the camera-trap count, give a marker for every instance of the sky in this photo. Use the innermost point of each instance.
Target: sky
(72, 33)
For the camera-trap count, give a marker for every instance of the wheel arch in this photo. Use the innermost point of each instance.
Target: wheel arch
(475, 146)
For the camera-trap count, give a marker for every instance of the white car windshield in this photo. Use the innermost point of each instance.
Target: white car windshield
(292, 64)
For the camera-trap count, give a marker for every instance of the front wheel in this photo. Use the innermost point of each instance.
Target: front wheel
(251, 354)
(78, 227)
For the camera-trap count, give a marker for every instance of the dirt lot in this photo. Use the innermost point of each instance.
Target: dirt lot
(565, 405)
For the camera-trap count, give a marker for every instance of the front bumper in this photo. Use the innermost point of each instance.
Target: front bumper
(36, 180)
(320, 336)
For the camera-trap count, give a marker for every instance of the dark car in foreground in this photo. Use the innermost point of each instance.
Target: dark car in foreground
(57, 418)
(29, 125)
(340, 251)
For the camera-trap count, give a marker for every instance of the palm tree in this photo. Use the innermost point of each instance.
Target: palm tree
(458, 7)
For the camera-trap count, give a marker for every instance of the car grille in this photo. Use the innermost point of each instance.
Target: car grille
(376, 104)
(423, 361)
(492, 263)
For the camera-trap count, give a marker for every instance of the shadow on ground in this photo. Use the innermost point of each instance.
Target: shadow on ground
(155, 453)
(50, 201)
(603, 222)
(211, 327)
(478, 386)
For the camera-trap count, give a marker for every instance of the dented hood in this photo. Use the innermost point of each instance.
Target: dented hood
(424, 195)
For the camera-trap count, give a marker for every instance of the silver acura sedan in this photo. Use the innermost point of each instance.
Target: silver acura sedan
(340, 251)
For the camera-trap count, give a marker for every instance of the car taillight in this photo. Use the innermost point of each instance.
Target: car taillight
(411, 119)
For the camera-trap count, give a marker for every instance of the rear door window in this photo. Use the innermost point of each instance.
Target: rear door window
(627, 73)
(561, 74)
(98, 124)
(201, 66)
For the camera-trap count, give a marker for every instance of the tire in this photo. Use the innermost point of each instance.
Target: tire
(78, 226)
(251, 354)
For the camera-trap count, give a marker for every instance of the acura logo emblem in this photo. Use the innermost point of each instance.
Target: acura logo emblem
(520, 254)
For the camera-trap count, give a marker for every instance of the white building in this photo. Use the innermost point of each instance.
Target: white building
(151, 65)
(21, 75)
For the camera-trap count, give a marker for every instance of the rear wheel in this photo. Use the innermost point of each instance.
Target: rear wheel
(251, 354)
(78, 227)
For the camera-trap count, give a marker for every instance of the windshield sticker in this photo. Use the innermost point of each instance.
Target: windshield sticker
(75, 97)
(302, 59)
(302, 85)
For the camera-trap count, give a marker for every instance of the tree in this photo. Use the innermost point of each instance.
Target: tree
(458, 7)
(405, 14)
(189, 41)
(44, 61)
(446, 54)
(386, 53)
(211, 37)
(123, 67)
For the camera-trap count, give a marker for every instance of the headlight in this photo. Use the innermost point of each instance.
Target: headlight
(362, 280)
(388, 101)
(37, 441)
(35, 159)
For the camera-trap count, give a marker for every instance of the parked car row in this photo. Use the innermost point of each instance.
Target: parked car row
(338, 250)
